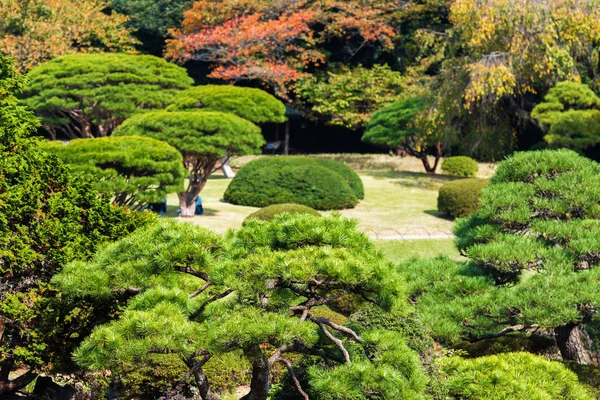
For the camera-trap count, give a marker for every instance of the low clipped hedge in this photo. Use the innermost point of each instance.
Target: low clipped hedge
(318, 183)
(269, 212)
(460, 166)
(461, 198)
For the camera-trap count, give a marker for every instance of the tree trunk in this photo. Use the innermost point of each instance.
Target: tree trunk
(286, 140)
(8, 386)
(437, 154)
(261, 376)
(575, 344)
(187, 204)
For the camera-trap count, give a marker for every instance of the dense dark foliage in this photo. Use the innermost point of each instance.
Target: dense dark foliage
(318, 183)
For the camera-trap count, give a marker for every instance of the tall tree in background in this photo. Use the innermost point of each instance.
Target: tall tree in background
(349, 97)
(278, 43)
(34, 31)
(501, 55)
(151, 20)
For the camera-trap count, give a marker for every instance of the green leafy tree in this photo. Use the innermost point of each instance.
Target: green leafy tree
(152, 20)
(572, 112)
(47, 218)
(403, 126)
(255, 105)
(533, 250)
(133, 171)
(262, 291)
(85, 96)
(350, 96)
(202, 138)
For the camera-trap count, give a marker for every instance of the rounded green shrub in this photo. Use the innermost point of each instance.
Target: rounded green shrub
(269, 212)
(512, 376)
(460, 166)
(317, 183)
(460, 198)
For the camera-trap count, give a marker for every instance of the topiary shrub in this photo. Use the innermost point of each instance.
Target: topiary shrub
(269, 212)
(460, 166)
(460, 198)
(255, 105)
(512, 376)
(317, 183)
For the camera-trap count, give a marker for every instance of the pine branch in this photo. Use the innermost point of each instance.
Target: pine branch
(207, 302)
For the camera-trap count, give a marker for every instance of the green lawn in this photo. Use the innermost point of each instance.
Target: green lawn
(396, 204)
(400, 203)
(401, 250)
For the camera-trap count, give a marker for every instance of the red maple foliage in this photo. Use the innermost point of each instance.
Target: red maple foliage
(277, 42)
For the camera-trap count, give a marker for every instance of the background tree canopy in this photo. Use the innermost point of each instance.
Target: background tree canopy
(85, 96)
(34, 31)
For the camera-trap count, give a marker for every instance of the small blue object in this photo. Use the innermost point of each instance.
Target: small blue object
(199, 209)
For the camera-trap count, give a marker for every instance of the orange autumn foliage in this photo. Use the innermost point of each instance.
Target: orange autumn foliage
(276, 42)
(34, 31)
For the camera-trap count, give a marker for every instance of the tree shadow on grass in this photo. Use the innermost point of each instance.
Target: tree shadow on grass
(437, 214)
(412, 179)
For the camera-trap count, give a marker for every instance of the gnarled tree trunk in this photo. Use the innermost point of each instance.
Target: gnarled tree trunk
(8, 386)
(261, 375)
(575, 344)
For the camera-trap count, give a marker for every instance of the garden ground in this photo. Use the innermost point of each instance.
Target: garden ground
(400, 205)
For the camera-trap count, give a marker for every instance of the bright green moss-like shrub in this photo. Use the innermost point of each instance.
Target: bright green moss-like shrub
(269, 212)
(255, 105)
(317, 183)
(460, 166)
(512, 376)
(461, 198)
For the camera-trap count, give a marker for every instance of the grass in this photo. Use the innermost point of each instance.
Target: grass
(402, 250)
(400, 203)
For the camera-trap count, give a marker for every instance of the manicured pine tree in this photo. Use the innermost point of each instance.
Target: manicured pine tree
(89, 95)
(202, 138)
(264, 292)
(131, 171)
(571, 111)
(533, 250)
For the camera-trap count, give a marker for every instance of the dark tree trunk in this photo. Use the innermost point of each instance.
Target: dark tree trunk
(286, 139)
(575, 344)
(425, 160)
(261, 376)
(8, 386)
